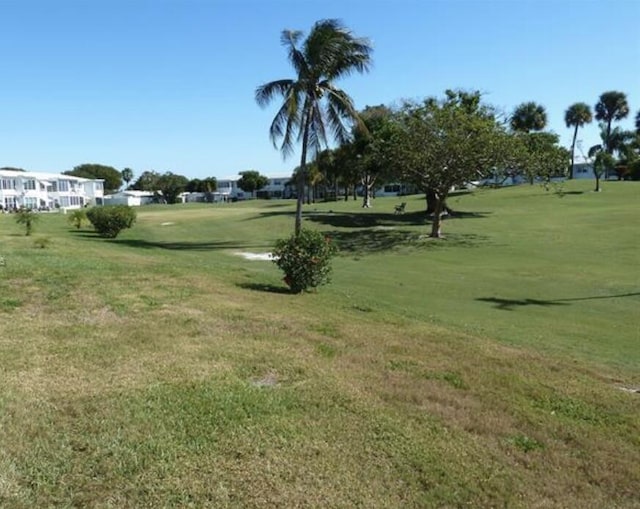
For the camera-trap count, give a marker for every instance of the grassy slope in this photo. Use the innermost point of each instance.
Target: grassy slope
(478, 370)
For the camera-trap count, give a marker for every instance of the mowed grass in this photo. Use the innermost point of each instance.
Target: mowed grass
(161, 369)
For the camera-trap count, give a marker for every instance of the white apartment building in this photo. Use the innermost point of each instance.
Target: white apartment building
(47, 191)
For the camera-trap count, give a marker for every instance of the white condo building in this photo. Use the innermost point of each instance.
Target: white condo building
(47, 191)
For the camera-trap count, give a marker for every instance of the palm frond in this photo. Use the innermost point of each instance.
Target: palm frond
(340, 109)
(594, 150)
(286, 122)
(290, 39)
(267, 92)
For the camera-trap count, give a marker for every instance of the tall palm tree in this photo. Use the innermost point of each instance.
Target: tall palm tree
(528, 117)
(577, 115)
(313, 107)
(612, 106)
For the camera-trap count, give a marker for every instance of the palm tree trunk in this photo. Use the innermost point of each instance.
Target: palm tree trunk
(573, 151)
(608, 140)
(302, 177)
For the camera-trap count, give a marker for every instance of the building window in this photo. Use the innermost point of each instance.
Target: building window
(8, 183)
(63, 186)
(29, 184)
(30, 202)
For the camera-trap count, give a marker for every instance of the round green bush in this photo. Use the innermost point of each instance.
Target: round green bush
(305, 259)
(109, 221)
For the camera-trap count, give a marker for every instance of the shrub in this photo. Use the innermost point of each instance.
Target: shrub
(77, 217)
(42, 242)
(305, 259)
(111, 220)
(27, 217)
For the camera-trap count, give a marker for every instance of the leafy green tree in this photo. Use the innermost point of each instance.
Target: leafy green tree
(626, 144)
(112, 177)
(251, 181)
(28, 218)
(612, 106)
(147, 181)
(541, 156)
(207, 186)
(127, 175)
(348, 172)
(446, 143)
(576, 116)
(77, 217)
(528, 117)
(326, 164)
(194, 186)
(171, 185)
(313, 178)
(369, 141)
(638, 122)
(313, 106)
(603, 163)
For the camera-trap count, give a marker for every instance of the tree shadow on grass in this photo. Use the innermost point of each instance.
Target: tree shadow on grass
(366, 220)
(184, 246)
(511, 304)
(370, 219)
(88, 234)
(378, 239)
(263, 287)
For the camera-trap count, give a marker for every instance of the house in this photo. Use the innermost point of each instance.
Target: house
(585, 171)
(229, 190)
(394, 189)
(129, 197)
(277, 187)
(48, 191)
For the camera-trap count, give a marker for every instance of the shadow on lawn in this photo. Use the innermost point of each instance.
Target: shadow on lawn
(370, 219)
(511, 304)
(186, 246)
(263, 287)
(366, 220)
(378, 239)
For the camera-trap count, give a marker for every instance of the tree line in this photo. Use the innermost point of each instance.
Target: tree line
(435, 144)
(167, 186)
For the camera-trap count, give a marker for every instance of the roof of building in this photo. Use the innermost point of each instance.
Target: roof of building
(43, 176)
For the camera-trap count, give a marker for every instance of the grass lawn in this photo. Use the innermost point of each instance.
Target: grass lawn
(161, 369)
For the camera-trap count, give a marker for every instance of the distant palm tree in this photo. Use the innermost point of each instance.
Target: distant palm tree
(577, 115)
(312, 104)
(612, 106)
(529, 117)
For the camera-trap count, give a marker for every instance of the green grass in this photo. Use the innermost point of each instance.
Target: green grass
(161, 369)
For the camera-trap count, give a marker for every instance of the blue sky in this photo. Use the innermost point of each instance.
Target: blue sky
(168, 85)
